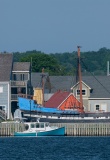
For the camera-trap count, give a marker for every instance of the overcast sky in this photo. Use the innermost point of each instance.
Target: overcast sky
(54, 26)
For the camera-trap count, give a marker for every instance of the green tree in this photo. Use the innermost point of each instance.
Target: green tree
(41, 60)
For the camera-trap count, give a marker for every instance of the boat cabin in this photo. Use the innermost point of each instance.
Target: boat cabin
(36, 126)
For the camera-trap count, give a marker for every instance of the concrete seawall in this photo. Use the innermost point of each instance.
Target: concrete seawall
(72, 129)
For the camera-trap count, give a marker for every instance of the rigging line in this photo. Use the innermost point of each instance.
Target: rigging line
(39, 84)
(96, 78)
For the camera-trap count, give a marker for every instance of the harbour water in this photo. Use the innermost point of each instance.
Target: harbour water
(55, 148)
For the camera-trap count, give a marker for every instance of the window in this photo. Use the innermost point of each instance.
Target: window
(1, 89)
(37, 125)
(42, 125)
(32, 125)
(14, 77)
(22, 77)
(97, 107)
(83, 92)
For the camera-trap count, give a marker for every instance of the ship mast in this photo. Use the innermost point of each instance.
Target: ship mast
(43, 86)
(80, 80)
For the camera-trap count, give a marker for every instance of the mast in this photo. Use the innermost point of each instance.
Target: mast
(80, 79)
(30, 86)
(43, 86)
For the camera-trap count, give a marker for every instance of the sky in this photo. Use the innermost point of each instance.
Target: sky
(54, 26)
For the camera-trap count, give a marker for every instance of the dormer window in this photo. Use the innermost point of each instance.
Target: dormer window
(83, 92)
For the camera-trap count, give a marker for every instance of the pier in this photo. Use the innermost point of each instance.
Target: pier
(72, 129)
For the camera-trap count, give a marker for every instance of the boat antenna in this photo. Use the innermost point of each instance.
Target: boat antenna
(38, 119)
(80, 79)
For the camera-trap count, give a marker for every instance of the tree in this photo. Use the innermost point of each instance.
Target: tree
(41, 60)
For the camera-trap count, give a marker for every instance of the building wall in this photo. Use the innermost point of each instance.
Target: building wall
(86, 104)
(70, 103)
(21, 76)
(84, 97)
(5, 97)
(104, 105)
(47, 96)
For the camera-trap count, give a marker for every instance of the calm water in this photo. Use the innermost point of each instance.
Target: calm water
(55, 148)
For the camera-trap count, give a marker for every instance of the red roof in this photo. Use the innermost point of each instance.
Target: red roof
(57, 99)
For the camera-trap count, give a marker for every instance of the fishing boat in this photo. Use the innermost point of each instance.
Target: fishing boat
(41, 129)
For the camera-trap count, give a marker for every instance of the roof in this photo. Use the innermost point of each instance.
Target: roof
(78, 84)
(6, 60)
(57, 99)
(36, 79)
(63, 83)
(99, 84)
(21, 66)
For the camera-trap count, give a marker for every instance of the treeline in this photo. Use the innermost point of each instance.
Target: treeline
(92, 62)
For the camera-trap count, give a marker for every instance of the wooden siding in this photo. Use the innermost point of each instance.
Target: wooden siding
(69, 103)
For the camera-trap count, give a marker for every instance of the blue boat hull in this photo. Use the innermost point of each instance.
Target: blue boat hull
(24, 105)
(29, 134)
(55, 132)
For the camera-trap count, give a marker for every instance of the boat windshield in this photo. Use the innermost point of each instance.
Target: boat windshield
(39, 125)
(32, 126)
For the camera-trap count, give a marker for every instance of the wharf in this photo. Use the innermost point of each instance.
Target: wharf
(72, 129)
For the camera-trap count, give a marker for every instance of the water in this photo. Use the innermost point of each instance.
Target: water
(55, 148)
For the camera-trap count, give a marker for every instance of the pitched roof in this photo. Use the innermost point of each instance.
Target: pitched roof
(63, 83)
(36, 79)
(99, 84)
(56, 99)
(6, 60)
(21, 66)
(82, 83)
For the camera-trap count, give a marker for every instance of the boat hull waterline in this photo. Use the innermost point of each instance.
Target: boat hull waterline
(54, 132)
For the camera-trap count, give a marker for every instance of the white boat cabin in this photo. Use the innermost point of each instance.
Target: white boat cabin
(37, 126)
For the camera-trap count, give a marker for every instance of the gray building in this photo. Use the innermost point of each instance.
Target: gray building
(5, 87)
(95, 90)
(14, 80)
(20, 82)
